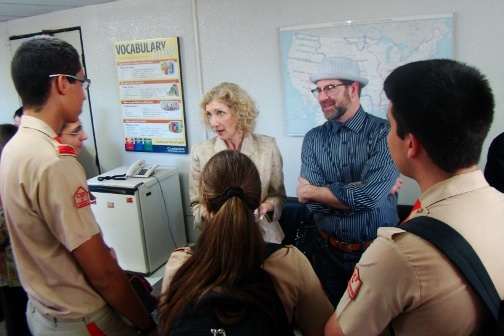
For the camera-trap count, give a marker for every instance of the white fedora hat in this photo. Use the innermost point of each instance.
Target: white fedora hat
(342, 68)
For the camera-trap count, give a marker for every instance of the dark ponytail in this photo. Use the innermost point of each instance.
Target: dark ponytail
(230, 247)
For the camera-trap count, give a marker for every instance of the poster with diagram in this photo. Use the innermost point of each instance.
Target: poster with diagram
(151, 95)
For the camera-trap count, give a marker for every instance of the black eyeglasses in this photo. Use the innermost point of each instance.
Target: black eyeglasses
(78, 133)
(86, 82)
(327, 89)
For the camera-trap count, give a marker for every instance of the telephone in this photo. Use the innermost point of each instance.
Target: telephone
(140, 169)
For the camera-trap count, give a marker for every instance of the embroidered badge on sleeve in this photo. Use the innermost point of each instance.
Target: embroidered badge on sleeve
(81, 198)
(354, 284)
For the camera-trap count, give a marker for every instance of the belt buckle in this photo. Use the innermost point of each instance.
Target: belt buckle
(347, 246)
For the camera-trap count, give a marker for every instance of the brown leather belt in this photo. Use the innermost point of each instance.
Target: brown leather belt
(346, 247)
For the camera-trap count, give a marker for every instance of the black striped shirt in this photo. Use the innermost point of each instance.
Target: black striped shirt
(336, 155)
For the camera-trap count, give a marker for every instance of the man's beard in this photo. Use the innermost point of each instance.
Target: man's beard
(340, 108)
(337, 113)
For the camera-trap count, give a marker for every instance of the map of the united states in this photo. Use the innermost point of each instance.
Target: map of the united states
(378, 45)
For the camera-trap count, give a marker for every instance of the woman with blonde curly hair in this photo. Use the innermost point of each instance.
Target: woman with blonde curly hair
(231, 113)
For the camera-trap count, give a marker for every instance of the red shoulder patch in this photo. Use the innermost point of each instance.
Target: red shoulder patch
(186, 249)
(81, 198)
(354, 284)
(66, 150)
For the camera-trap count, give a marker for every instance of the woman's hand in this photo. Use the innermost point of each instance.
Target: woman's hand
(265, 208)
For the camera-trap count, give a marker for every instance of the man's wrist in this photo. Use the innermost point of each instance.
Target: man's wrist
(311, 192)
(151, 327)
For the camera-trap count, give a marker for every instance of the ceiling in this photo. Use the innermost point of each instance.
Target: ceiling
(16, 9)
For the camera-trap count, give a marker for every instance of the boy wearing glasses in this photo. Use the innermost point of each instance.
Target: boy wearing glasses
(347, 174)
(73, 134)
(73, 283)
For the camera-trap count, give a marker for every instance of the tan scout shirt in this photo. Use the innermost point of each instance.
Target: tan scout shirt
(404, 279)
(262, 150)
(46, 202)
(295, 281)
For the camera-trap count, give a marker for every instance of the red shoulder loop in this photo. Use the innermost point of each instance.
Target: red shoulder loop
(66, 150)
(185, 249)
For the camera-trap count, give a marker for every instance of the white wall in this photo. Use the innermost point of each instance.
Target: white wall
(239, 42)
(8, 95)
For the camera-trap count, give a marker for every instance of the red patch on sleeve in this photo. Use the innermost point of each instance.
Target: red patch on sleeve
(81, 198)
(354, 284)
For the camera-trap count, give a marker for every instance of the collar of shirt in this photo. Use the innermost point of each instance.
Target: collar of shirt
(456, 185)
(37, 124)
(354, 124)
(248, 146)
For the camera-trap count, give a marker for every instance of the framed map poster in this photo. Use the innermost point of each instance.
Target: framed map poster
(379, 46)
(152, 102)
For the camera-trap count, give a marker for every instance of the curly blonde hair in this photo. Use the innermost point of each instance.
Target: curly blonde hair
(238, 100)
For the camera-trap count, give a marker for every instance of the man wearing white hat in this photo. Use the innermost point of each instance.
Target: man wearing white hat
(347, 174)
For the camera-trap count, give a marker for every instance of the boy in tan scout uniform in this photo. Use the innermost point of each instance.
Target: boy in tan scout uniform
(74, 285)
(440, 112)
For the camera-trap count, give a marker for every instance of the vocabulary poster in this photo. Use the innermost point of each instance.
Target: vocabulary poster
(150, 90)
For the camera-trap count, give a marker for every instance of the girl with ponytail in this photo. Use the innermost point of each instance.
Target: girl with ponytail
(230, 255)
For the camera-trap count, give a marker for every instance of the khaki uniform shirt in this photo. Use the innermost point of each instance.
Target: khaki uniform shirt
(262, 150)
(404, 279)
(46, 202)
(295, 281)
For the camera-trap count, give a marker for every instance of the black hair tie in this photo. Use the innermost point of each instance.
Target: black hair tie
(231, 192)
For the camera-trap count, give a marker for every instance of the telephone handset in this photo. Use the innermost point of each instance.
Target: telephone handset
(140, 169)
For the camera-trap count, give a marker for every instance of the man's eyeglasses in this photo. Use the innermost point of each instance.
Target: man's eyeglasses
(78, 133)
(327, 89)
(85, 81)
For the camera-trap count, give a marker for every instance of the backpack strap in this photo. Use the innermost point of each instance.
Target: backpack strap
(271, 248)
(462, 255)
